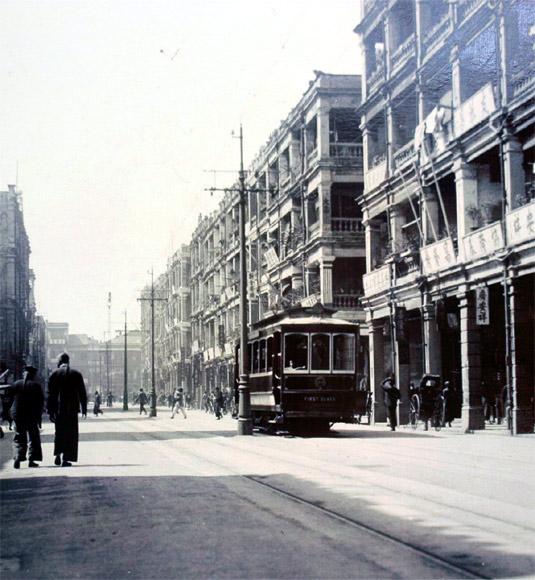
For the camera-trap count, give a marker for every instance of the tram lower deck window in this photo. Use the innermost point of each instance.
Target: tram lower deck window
(321, 352)
(344, 352)
(296, 352)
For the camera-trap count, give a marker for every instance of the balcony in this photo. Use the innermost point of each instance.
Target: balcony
(438, 33)
(346, 153)
(474, 110)
(375, 79)
(404, 154)
(346, 300)
(467, 8)
(404, 52)
(377, 281)
(523, 84)
(375, 176)
(351, 225)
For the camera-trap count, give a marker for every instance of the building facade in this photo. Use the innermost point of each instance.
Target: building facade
(304, 231)
(16, 307)
(172, 327)
(448, 205)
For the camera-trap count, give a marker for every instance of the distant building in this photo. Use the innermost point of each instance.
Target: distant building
(16, 308)
(57, 341)
(172, 327)
(134, 369)
(86, 356)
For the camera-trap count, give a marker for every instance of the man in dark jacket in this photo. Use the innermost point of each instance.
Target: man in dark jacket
(391, 398)
(27, 408)
(66, 397)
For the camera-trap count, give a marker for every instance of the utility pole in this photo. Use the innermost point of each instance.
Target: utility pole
(125, 391)
(108, 346)
(152, 300)
(245, 421)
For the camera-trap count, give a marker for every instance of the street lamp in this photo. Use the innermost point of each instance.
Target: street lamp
(152, 300)
(245, 422)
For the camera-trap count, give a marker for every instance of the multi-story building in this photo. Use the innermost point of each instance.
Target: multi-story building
(57, 334)
(16, 309)
(305, 238)
(448, 130)
(88, 356)
(172, 327)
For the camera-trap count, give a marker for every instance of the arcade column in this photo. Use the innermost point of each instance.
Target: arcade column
(472, 417)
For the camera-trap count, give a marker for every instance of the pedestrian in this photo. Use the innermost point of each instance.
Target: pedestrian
(218, 402)
(97, 405)
(170, 401)
(6, 398)
(179, 403)
(109, 400)
(391, 398)
(66, 398)
(448, 392)
(27, 409)
(142, 400)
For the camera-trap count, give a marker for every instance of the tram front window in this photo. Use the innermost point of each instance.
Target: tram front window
(344, 352)
(296, 352)
(321, 355)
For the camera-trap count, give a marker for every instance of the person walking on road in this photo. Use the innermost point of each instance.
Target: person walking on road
(66, 398)
(179, 403)
(109, 400)
(97, 409)
(391, 398)
(218, 403)
(142, 400)
(27, 408)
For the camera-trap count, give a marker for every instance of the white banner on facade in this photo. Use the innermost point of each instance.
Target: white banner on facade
(482, 306)
(483, 242)
(521, 224)
(272, 258)
(438, 256)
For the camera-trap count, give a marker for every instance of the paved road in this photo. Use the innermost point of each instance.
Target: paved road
(162, 498)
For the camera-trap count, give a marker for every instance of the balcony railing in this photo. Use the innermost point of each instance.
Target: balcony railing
(437, 33)
(346, 300)
(474, 110)
(350, 151)
(404, 154)
(404, 52)
(523, 83)
(469, 7)
(375, 176)
(352, 225)
(375, 79)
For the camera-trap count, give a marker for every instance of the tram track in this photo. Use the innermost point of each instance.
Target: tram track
(436, 560)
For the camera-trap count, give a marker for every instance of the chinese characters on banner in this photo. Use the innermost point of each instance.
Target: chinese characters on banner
(482, 306)
(438, 256)
(521, 224)
(483, 242)
(377, 281)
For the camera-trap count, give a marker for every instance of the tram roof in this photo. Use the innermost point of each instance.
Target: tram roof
(317, 315)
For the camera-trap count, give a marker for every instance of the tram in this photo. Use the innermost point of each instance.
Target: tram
(303, 370)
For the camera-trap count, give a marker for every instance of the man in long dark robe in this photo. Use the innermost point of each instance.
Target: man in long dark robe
(66, 398)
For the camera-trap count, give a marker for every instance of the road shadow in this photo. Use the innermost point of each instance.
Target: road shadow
(273, 526)
(104, 436)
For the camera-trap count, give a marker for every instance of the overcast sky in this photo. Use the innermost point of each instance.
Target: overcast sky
(113, 111)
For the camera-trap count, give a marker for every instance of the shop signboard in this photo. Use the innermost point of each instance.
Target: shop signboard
(483, 242)
(482, 306)
(438, 256)
(521, 224)
(377, 281)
